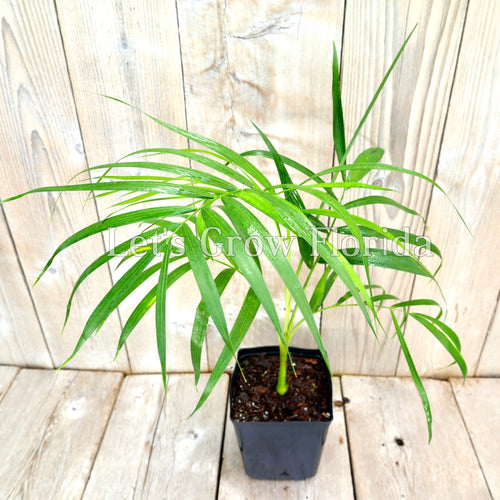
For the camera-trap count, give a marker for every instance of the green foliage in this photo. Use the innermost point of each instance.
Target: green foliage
(223, 201)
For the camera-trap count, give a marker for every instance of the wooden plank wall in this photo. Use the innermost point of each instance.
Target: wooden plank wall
(209, 65)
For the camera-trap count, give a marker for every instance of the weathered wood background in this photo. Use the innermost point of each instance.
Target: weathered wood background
(208, 65)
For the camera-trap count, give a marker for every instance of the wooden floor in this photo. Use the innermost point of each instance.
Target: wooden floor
(101, 435)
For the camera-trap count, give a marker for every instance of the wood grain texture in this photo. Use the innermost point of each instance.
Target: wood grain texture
(134, 56)
(488, 362)
(469, 172)
(479, 401)
(333, 479)
(21, 338)
(210, 65)
(40, 145)
(270, 64)
(384, 410)
(184, 461)
(7, 375)
(129, 434)
(51, 426)
(407, 121)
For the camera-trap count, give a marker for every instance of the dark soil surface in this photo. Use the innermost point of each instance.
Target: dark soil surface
(256, 400)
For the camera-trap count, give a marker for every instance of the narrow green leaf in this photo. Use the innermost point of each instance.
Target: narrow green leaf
(132, 186)
(443, 336)
(206, 284)
(147, 302)
(231, 243)
(326, 186)
(421, 302)
(338, 115)
(444, 328)
(193, 155)
(201, 230)
(375, 166)
(383, 297)
(398, 236)
(306, 252)
(240, 328)
(286, 160)
(375, 97)
(348, 295)
(381, 257)
(134, 199)
(322, 288)
(328, 212)
(370, 155)
(414, 375)
(190, 173)
(238, 213)
(222, 150)
(383, 166)
(146, 215)
(343, 214)
(340, 211)
(100, 261)
(289, 216)
(137, 314)
(200, 322)
(160, 313)
(291, 195)
(135, 276)
(380, 200)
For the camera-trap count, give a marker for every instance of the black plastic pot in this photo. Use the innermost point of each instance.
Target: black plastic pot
(281, 450)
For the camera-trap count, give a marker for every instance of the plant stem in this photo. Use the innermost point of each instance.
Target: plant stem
(282, 386)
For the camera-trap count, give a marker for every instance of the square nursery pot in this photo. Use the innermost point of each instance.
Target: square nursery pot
(281, 450)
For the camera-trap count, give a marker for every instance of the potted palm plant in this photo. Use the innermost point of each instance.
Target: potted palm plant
(222, 217)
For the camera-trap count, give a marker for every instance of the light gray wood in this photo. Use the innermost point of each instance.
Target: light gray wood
(7, 374)
(333, 479)
(40, 144)
(469, 172)
(407, 121)
(129, 434)
(270, 64)
(479, 403)
(383, 410)
(51, 426)
(184, 461)
(21, 338)
(134, 56)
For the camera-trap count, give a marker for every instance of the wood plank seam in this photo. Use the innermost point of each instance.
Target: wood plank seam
(221, 452)
(154, 433)
(26, 284)
(187, 124)
(470, 438)
(488, 330)
(6, 390)
(51, 418)
(346, 425)
(341, 67)
(103, 433)
(434, 177)
(98, 216)
(185, 97)
(182, 74)
(160, 410)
